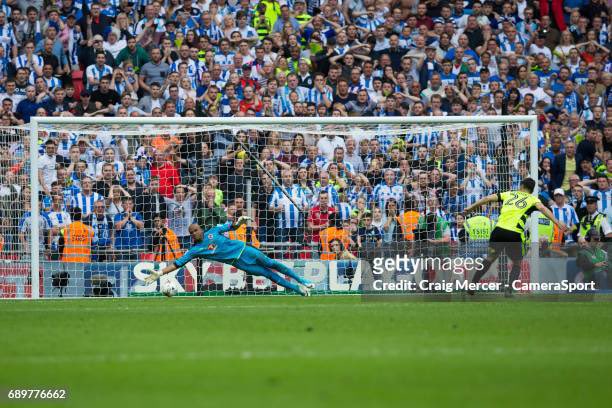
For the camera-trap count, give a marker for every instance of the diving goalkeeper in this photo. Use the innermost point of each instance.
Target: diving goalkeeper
(213, 245)
(509, 232)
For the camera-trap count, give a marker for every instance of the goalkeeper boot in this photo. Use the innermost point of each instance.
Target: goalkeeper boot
(308, 284)
(303, 290)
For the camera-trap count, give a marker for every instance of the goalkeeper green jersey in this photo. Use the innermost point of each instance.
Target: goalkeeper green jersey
(516, 207)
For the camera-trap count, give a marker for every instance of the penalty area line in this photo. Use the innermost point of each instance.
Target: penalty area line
(429, 352)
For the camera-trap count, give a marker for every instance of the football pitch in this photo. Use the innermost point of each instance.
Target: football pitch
(322, 351)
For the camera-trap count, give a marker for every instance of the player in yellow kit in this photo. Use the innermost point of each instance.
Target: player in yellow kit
(509, 232)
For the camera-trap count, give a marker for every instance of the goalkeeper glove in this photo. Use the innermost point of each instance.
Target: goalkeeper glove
(244, 219)
(152, 277)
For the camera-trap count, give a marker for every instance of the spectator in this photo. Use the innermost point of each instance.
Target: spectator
(391, 230)
(58, 105)
(154, 71)
(151, 202)
(95, 23)
(586, 148)
(211, 213)
(131, 185)
(362, 105)
(603, 192)
(565, 213)
(104, 233)
(235, 183)
(166, 173)
(114, 43)
(389, 189)
(106, 180)
(32, 62)
(318, 218)
(289, 212)
(129, 230)
(58, 220)
(115, 199)
(564, 165)
(328, 144)
(30, 29)
(369, 235)
(87, 56)
(207, 164)
(153, 100)
(180, 212)
(87, 197)
(97, 71)
(428, 59)
(85, 107)
(352, 157)
(104, 97)
(47, 167)
(135, 53)
(30, 105)
(9, 209)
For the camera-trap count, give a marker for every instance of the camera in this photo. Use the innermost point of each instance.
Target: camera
(60, 281)
(101, 286)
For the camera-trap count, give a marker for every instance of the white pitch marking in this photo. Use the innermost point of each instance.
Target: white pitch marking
(292, 354)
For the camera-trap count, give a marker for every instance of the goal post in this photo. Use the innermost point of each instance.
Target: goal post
(134, 126)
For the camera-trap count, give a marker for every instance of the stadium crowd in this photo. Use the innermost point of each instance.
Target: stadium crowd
(228, 58)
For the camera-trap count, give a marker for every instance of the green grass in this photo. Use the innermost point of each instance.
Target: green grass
(314, 352)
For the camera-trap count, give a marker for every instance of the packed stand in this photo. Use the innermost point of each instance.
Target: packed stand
(303, 59)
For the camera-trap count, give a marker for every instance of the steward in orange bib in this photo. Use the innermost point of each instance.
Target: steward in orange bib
(409, 219)
(75, 240)
(334, 232)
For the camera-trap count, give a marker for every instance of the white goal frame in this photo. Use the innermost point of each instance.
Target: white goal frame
(36, 122)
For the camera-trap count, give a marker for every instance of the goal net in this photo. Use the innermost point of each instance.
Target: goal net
(91, 206)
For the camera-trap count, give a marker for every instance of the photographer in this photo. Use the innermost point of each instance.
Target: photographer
(347, 262)
(433, 231)
(592, 260)
(165, 242)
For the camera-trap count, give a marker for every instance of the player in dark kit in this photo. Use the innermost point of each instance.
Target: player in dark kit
(509, 232)
(213, 245)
